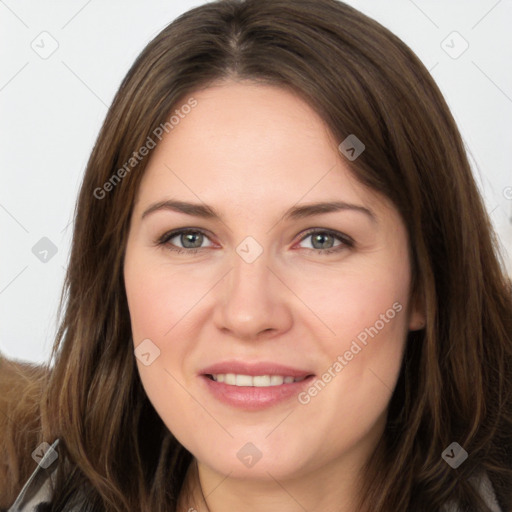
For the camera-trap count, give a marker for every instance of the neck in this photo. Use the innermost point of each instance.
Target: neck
(331, 488)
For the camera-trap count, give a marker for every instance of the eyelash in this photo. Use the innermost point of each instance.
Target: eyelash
(347, 241)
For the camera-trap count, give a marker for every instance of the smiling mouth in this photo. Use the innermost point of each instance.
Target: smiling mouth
(259, 381)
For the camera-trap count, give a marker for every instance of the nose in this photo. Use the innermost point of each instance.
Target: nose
(253, 301)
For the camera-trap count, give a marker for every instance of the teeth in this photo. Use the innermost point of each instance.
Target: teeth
(259, 381)
(276, 380)
(243, 380)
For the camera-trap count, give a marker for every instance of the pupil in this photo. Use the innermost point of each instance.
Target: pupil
(320, 237)
(189, 237)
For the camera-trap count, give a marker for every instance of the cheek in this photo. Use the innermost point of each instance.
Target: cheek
(345, 304)
(374, 326)
(157, 301)
(372, 309)
(366, 312)
(159, 297)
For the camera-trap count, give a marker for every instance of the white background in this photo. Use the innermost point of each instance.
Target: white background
(52, 109)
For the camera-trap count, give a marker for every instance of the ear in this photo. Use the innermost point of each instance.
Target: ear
(417, 315)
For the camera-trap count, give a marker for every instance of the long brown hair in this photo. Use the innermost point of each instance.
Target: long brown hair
(456, 379)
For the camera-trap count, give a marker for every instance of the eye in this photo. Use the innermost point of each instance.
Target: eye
(323, 240)
(190, 239)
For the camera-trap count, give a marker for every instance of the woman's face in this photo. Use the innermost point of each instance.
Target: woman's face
(265, 286)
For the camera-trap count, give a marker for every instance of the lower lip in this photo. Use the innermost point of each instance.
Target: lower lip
(254, 398)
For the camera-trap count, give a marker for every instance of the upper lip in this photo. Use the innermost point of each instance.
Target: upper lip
(254, 368)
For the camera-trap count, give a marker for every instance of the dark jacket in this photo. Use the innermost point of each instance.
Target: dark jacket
(36, 494)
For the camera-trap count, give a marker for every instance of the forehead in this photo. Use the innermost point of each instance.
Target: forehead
(249, 143)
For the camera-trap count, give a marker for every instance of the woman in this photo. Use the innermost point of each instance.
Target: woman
(283, 291)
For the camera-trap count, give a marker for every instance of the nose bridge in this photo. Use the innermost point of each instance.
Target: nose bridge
(249, 286)
(250, 275)
(251, 301)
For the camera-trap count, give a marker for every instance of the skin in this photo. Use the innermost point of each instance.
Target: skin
(252, 151)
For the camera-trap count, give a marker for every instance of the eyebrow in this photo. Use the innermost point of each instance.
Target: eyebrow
(294, 213)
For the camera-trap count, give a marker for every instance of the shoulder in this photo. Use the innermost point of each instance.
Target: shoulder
(37, 492)
(486, 491)
(19, 377)
(21, 385)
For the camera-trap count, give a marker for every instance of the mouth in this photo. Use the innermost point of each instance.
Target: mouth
(254, 386)
(258, 381)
